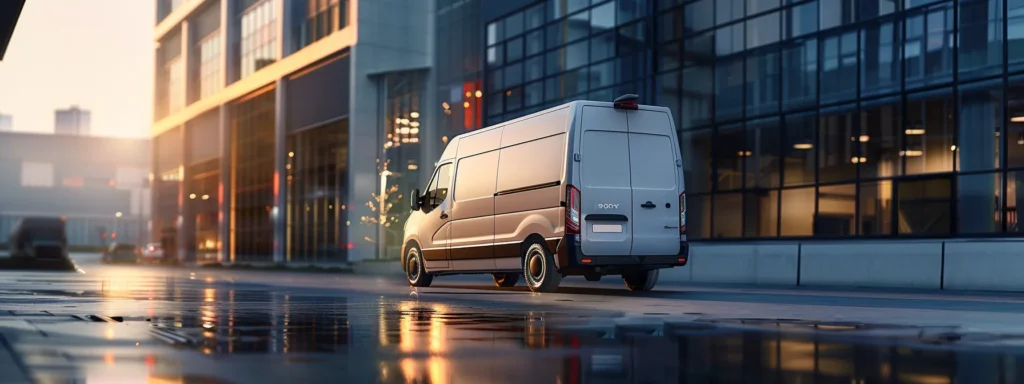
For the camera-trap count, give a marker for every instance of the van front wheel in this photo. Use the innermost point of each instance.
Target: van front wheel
(414, 268)
(641, 281)
(539, 267)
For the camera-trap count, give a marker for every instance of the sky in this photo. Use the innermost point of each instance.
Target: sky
(96, 54)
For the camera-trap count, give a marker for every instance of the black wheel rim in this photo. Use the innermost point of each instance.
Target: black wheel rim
(412, 271)
(535, 265)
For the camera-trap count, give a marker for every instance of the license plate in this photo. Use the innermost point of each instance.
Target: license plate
(607, 228)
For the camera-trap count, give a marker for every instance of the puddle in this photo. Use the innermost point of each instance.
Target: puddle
(168, 330)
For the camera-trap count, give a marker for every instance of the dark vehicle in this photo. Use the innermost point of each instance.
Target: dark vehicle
(39, 238)
(121, 253)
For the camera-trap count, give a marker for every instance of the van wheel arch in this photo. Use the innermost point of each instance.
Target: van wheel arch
(526, 243)
(405, 252)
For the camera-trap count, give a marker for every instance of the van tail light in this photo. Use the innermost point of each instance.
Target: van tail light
(682, 213)
(572, 210)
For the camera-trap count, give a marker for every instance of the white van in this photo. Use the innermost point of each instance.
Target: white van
(586, 188)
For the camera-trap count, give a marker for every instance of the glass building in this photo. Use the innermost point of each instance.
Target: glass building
(279, 137)
(798, 119)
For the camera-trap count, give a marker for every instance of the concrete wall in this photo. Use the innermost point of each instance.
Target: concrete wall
(961, 264)
(385, 44)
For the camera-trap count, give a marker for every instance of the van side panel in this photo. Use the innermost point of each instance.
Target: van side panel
(473, 211)
(551, 123)
(528, 195)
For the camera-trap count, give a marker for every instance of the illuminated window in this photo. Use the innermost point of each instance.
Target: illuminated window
(175, 85)
(258, 37)
(209, 65)
(74, 181)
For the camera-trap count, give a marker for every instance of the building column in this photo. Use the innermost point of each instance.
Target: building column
(280, 159)
(229, 39)
(186, 62)
(224, 190)
(286, 41)
(363, 176)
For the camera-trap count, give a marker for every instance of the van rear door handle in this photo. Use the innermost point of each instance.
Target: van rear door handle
(648, 205)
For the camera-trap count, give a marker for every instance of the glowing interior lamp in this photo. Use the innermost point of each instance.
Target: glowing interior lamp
(914, 131)
(911, 153)
(1017, 119)
(744, 153)
(865, 138)
(856, 160)
(803, 146)
(415, 115)
(479, 94)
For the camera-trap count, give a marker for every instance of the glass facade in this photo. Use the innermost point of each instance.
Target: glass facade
(202, 196)
(259, 37)
(252, 143)
(399, 165)
(458, 59)
(317, 167)
(798, 119)
(563, 50)
(321, 18)
(210, 75)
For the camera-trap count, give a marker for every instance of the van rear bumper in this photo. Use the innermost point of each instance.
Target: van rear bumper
(571, 258)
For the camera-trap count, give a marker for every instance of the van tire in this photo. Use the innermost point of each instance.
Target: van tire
(505, 279)
(415, 272)
(640, 281)
(539, 267)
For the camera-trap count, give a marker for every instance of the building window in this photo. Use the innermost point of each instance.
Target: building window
(252, 138)
(259, 37)
(316, 173)
(175, 85)
(323, 17)
(35, 174)
(210, 78)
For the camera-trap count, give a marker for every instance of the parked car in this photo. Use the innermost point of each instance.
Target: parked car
(39, 238)
(152, 253)
(121, 253)
(586, 188)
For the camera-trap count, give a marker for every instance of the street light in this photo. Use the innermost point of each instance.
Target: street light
(118, 214)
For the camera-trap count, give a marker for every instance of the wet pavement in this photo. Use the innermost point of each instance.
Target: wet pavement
(138, 324)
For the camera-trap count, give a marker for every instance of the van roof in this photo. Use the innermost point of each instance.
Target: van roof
(571, 104)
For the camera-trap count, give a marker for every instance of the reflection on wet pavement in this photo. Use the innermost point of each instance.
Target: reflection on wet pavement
(170, 330)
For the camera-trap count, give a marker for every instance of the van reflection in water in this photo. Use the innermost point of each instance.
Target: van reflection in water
(377, 339)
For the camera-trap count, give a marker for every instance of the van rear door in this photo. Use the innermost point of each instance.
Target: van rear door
(654, 177)
(605, 195)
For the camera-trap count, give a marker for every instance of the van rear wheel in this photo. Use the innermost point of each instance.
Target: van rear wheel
(640, 281)
(505, 279)
(414, 268)
(539, 267)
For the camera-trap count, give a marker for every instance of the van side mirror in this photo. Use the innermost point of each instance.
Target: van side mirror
(414, 200)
